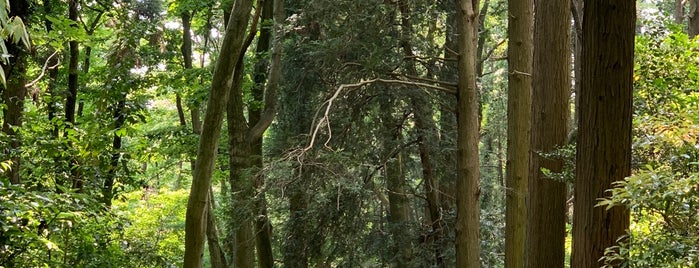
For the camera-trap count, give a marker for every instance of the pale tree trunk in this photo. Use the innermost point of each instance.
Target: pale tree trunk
(195, 225)
(551, 84)
(693, 18)
(604, 129)
(519, 59)
(468, 173)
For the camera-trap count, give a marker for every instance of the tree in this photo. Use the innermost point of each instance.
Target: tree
(467, 165)
(519, 60)
(195, 225)
(14, 72)
(604, 127)
(546, 216)
(693, 18)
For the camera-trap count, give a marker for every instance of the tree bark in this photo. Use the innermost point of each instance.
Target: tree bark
(519, 59)
(426, 128)
(195, 225)
(693, 18)
(398, 209)
(551, 84)
(263, 227)
(604, 129)
(468, 173)
(218, 258)
(678, 13)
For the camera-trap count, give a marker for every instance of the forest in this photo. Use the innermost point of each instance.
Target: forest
(349, 133)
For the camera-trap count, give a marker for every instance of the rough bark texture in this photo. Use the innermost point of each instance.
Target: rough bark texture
(519, 59)
(551, 91)
(468, 173)
(14, 93)
(604, 133)
(693, 18)
(195, 225)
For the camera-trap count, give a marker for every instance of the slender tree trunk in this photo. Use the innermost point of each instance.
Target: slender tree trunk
(693, 18)
(519, 59)
(120, 119)
(218, 258)
(263, 227)
(468, 173)
(426, 128)
(577, 8)
(551, 83)
(604, 129)
(395, 184)
(195, 226)
(72, 97)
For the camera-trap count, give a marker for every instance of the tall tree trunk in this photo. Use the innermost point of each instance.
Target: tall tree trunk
(14, 93)
(13, 97)
(72, 97)
(519, 59)
(468, 173)
(426, 129)
(119, 120)
(263, 227)
(398, 209)
(577, 8)
(693, 18)
(240, 174)
(604, 129)
(195, 225)
(551, 84)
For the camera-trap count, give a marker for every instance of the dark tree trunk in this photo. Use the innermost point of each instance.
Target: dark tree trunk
(120, 119)
(604, 129)
(426, 128)
(263, 227)
(14, 93)
(551, 91)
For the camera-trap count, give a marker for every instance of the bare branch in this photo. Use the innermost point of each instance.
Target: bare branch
(325, 119)
(43, 69)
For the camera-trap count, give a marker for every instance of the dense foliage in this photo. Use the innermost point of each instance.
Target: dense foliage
(369, 184)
